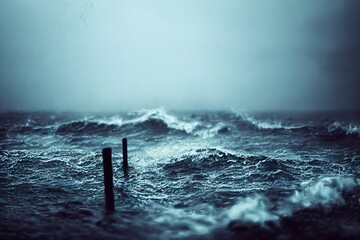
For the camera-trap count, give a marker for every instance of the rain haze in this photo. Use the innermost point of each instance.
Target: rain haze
(126, 55)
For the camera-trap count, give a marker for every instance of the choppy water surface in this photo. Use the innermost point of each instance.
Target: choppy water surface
(193, 175)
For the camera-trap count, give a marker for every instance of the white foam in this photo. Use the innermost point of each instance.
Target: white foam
(335, 126)
(172, 121)
(353, 129)
(273, 124)
(254, 209)
(192, 222)
(325, 192)
(350, 129)
(159, 114)
(210, 131)
(115, 120)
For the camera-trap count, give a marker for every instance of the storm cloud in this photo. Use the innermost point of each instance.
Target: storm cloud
(342, 60)
(125, 55)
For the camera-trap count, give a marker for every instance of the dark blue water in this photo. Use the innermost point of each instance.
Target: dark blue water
(193, 175)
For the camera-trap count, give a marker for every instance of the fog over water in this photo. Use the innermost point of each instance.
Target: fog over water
(125, 55)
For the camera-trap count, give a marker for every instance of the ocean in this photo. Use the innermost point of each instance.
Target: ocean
(192, 175)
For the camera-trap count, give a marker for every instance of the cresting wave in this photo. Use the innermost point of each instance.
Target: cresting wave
(158, 121)
(332, 131)
(323, 194)
(317, 195)
(267, 125)
(259, 213)
(342, 129)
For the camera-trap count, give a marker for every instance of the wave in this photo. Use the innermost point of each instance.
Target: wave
(85, 127)
(353, 129)
(209, 131)
(269, 124)
(209, 159)
(331, 199)
(338, 131)
(157, 121)
(324, 193)
(334, 130)
(253, 209)
(260, 216)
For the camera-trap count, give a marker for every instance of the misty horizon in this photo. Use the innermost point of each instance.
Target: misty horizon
(180, 55)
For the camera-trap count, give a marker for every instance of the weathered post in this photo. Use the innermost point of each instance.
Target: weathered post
(125, 156)
(108, 179)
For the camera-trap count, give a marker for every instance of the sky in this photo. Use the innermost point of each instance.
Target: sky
(95, 55)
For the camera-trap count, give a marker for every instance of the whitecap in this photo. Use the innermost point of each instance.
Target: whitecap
(271, 124)
(325, 192)
(253, 209)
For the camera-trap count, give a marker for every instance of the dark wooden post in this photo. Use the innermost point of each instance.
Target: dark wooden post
(108, 179)
(125, 156)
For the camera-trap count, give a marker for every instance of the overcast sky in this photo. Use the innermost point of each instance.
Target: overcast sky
(179, 54)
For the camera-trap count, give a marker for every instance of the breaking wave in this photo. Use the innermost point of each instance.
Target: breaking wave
(268, 124)
(157, 121)
(340, 130)
(332, 131)
(160, 121)
(323, 194)
(253, 209)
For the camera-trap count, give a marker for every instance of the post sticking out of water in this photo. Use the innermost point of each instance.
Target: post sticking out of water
(125, 156)
(108, 179)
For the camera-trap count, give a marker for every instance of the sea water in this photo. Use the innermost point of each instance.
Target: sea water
(192, 175)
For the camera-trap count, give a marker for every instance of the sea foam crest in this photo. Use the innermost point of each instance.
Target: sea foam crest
(273, 124)
(200, 221)
(209, 131)
(353, 129)
(159, 115)
(169, 120)
(254, 209)
(327, 191)
(338, 128)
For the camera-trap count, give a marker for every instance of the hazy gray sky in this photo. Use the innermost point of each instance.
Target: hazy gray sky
(179, 54)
